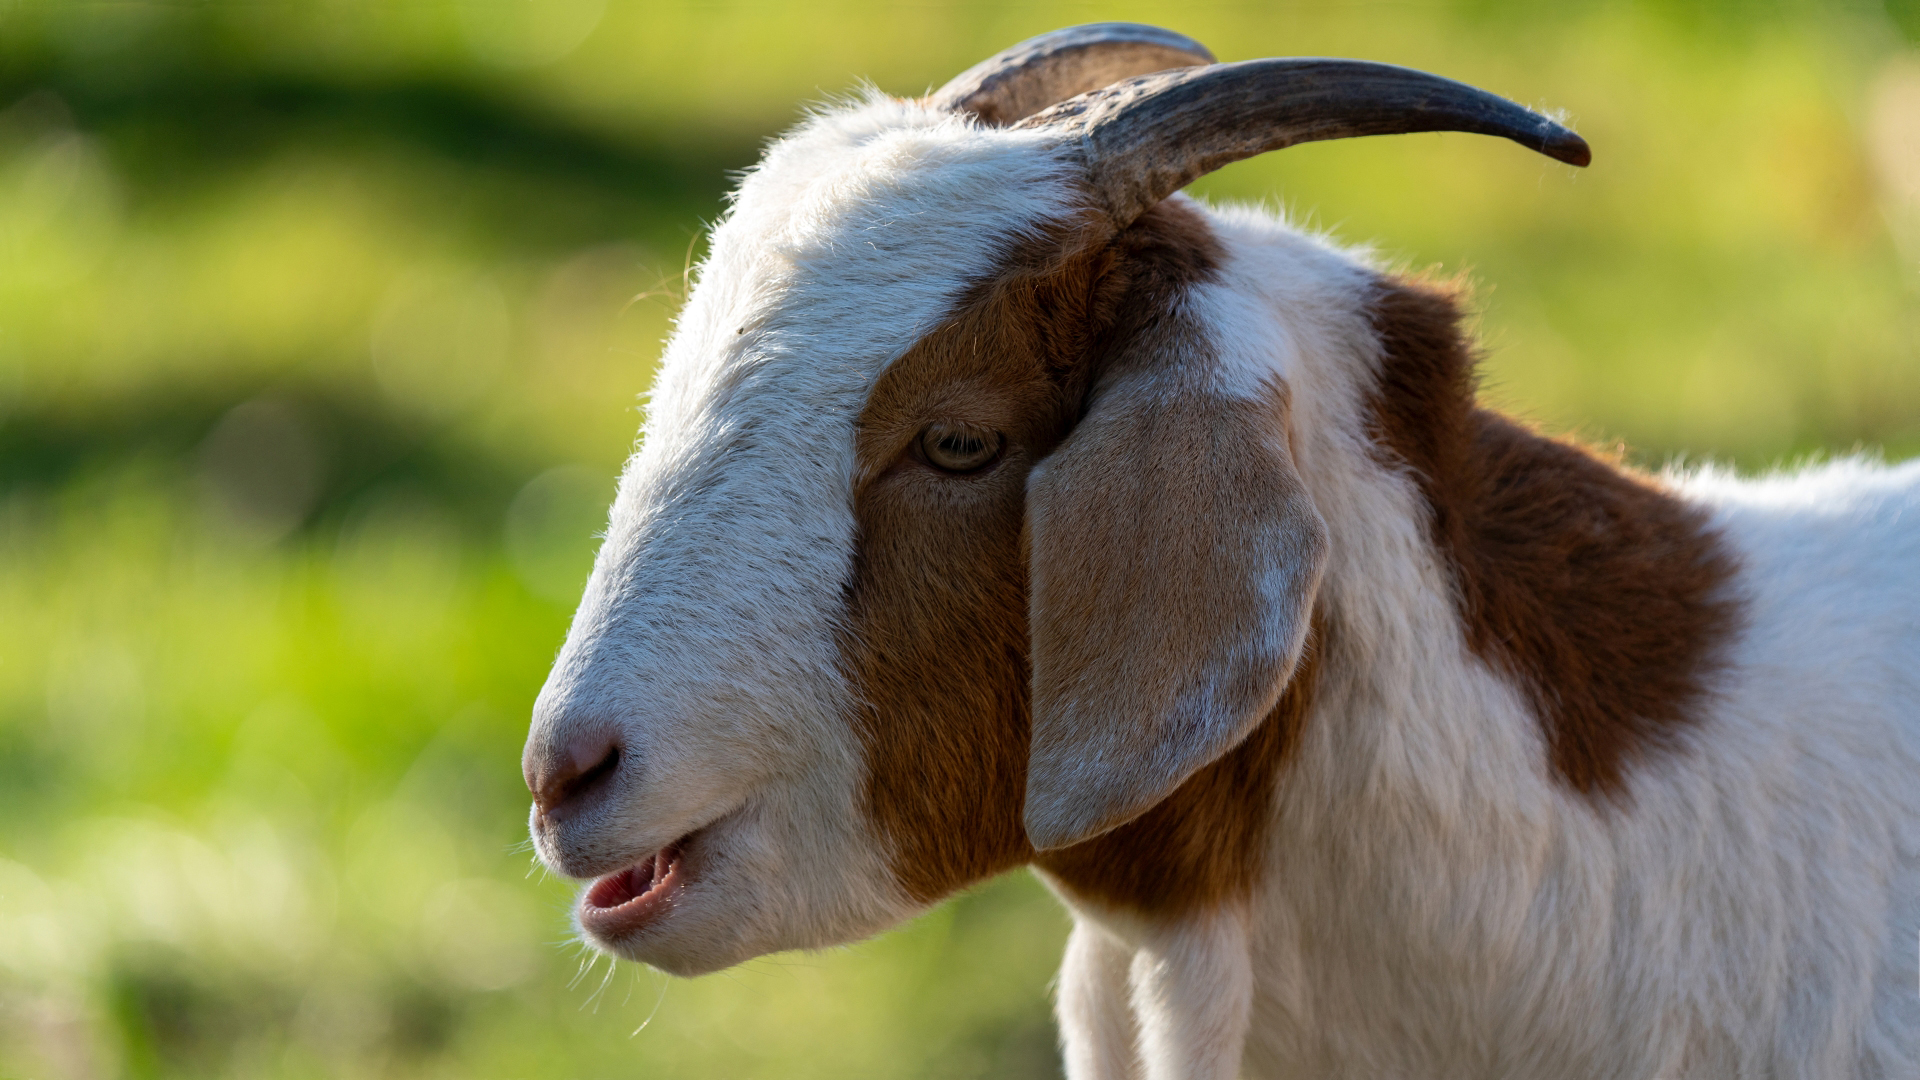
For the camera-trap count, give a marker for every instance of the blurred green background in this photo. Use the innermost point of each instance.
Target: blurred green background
(321, 331)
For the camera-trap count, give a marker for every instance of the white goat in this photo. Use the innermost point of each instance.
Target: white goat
(998, 506)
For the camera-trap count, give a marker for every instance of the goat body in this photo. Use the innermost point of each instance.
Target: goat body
(1461, 874)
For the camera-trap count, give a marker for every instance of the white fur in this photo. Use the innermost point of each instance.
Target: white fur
(1436, 905)
(1193, 985)
(1099, 1034)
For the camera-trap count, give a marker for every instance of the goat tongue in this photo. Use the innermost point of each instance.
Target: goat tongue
(617, 889)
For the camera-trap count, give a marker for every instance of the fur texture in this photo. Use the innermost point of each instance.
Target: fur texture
(1495, 788)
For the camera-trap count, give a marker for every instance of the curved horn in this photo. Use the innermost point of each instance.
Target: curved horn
(1148, 137)
(1020, 81)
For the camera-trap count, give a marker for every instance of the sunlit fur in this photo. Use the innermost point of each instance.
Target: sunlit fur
(1435, 904)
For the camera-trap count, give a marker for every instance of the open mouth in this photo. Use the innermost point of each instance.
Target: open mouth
(625, 901)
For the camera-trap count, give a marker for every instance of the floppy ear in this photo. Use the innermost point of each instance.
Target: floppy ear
(1175, 556)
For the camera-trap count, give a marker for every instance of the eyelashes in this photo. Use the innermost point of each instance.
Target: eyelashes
(960, 448)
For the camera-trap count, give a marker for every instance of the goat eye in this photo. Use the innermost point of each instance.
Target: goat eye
(956, 448)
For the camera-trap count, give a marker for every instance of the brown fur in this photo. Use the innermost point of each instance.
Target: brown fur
(1602, 594)
(937, 614)
(937, 640)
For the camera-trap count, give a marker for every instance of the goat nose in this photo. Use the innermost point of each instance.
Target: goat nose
(580, 769)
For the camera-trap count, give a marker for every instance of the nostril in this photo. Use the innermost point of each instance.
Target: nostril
(584, 770)
(592, 777)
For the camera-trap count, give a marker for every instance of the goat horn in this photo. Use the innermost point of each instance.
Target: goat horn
(1017, 82)
(1148, 137)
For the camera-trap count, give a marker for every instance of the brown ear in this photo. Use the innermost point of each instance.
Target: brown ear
(1175, 556)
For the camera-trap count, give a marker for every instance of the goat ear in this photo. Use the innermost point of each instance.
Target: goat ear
(1175, 555)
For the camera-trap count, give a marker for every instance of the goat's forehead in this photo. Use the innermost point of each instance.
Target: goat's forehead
(853, 238)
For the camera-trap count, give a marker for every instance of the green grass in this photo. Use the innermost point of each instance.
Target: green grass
(322, 328)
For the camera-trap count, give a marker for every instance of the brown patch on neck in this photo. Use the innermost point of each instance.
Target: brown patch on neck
(1602, 595)
(936, 639)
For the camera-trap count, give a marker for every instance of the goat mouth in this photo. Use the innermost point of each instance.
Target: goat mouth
(627, 900)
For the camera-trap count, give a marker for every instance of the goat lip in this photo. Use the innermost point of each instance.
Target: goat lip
(627, 900)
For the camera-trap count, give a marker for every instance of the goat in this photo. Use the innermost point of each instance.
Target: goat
(999, 506)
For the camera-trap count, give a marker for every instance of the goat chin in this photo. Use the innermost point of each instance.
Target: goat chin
(982, 520)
